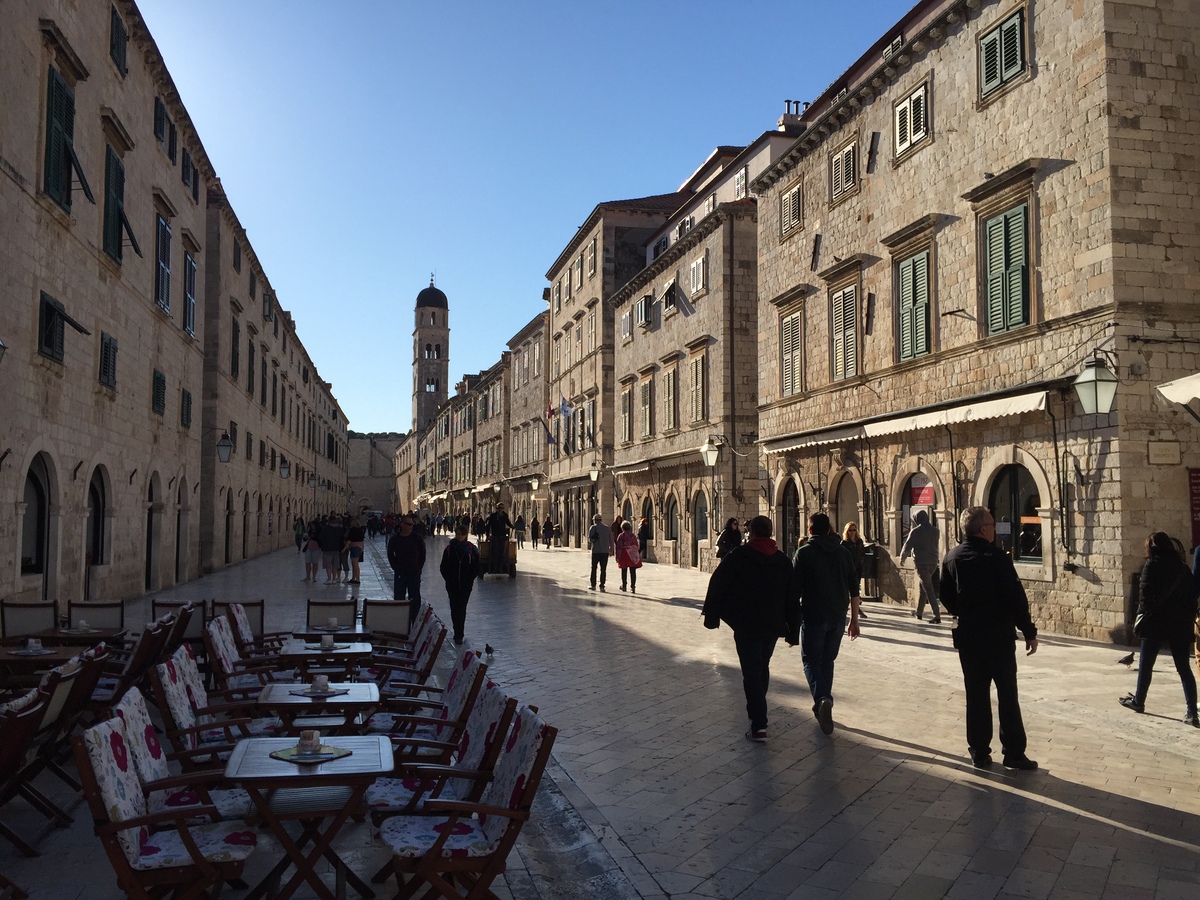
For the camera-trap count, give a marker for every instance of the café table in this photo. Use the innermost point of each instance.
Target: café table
(354, 701)
(320, 796)
(343, 656)
(341, 633)
(76, 637)
(16, 662)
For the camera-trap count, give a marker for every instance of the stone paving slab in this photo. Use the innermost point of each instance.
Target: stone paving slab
(654, 792)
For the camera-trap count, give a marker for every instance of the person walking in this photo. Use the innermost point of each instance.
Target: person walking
(824, 582)
(300, 530)
(628, 558)
(406, 555)
(355, 538)
(460, 567)
(600, 540)
(535, 531)
(498, 527)
(750, 591)
(312, 554)
(730, 537)
(922, 546)
(331, 537)
(643, 536)
(1166, 615)
(519, 532)
(979, 584)
(858, 551)
(547, 532)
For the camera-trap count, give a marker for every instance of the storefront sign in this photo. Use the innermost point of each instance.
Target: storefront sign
(1164, 453)
(920, 491)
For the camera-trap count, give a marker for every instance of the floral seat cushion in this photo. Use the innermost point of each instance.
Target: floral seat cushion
(217, 842)
(412, 836)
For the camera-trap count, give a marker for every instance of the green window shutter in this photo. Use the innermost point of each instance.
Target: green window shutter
(1012, 48)
(235, 346)
(835, 177)
(994, 259)
(1016, 273)
(920, 304)
(989, 62)
(850, 325)
(160, 120)
(159, 396)
(162, 288)
(185, 409)
(906, 309)
(118, 39)
(60, 130)
(114, 201)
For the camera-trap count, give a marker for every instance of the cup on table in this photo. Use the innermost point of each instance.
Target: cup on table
(83, 624)
(327, 641)
(320, 683)
(310, 742)
(33, 644)
(333, 621)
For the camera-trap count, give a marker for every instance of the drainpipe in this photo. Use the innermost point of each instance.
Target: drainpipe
(729, 355)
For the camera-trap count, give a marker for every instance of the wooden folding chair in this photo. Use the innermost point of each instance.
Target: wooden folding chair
(246, 620)
(387, 620)
(17, 619)
(19, 722)
(321, 611)
(109, 614)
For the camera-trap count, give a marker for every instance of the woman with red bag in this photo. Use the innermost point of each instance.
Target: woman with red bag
(629, 560)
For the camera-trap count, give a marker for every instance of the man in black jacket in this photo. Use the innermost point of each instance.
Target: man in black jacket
(981, 587)
(459, 568)
(749, 593)
(826, 582)
(406, 554)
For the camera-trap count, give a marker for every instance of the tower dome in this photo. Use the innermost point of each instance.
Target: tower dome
(431, 296)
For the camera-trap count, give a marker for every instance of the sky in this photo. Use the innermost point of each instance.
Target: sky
(366, 145)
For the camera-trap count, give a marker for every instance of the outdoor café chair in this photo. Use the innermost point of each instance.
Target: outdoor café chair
(125, 669)
(19, 720)
(17, 619)
(230, 670)
(321, 611)
(97, 615)
(386, 620)
(401, 676)
(246, 624)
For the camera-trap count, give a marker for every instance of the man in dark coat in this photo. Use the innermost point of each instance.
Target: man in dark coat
(406, 554)
(922, 546)
(459, 568)
(749, 593)
(826, 583)
(498, 526)
(980, 586)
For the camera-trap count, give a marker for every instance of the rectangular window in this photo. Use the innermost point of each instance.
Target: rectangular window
(843, 172)
(235, 348)
(660, 246)
(740, 183)
(1006, 255)
(567, 349)
(591, 417)
(185, 408)
(274, 395)
(579, 341)
(668, 297)
(537, 359)
(118, 41)
(233, 433)
(558, 295)
(237, 256)
(591, 345)
(626, 423)
(189, 294)
(911, 120)
(172, 140)
(670, 381)
(710, 203)
(51, 321)
(696, 274)
(114, 203)
(1002, 54)
(567, 284)
(61, 162)
(644, 310)
(250, 364)
(159, 393)
(249, 446)
(160, 120)
(262, 453)
(162, 252)
(592, 257)
(579, 272)
(647, 405)
(108, 360)
(913, 305)
(262, 359)
(697, 398)
(845, 332)
(789, 210)
(789, 342)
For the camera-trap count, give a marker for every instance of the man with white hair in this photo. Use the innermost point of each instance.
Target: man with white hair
(600, 539)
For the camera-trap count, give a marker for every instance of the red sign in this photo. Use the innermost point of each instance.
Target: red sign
(1194, 496)
(921, 496)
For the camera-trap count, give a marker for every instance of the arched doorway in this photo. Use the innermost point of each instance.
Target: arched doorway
(846, 503)
(1014, 502)
(35, 525)
(627, 510)
(97, 531)
(699, 525)
(228, 526)
(791, 527)
(918, 494)
(671, 526)
(154, 508)
(181, 532)
(246, 527)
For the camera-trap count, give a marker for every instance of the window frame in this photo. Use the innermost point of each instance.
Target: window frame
(646, 407)
(791, 209)
(60, 161)
(791, 368)
(698, 275)
(910, 284)
(185, 408)
(118, 42)
(838, 351)
(996, 286)
(189, 293)
(698, 387)
(107, 375)
(671, 399)
(158, 393)
(51, 328)
(162, 256)
(1013, 26)
(839, 187)
(627, 414)
(904, 144)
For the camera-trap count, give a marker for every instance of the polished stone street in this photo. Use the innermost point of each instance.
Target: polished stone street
(654, 792)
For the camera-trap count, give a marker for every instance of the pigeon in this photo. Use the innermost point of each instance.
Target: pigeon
(1126, 660)
(489, 649)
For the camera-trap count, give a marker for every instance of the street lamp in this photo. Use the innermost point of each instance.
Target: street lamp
(312, 480)
(533, 483)
(285, 469)
(710, 450)
(224, 445)
(594, 472)
(1096, 387)
(466, 493)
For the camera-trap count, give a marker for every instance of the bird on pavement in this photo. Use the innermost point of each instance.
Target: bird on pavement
(1126, 660)
(489, 649)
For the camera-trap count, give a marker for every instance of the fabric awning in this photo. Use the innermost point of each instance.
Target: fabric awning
(1181, 390)
(971, 412)
(816, 439)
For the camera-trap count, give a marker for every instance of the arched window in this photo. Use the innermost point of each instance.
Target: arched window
(97, 510)
(790, 526)
(699, 525)
(34, 526)
(918, 494)
(648, 510)
(671, 519)
(627, 511)
(847, 501)
(429, 351)
(437, 351)
(1014, 502)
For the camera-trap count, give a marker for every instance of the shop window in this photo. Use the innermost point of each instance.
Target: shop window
(1014, 503)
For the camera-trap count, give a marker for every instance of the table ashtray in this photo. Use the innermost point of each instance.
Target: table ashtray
(320, 647)
(35, 651)
(325, 754)
(332, 628)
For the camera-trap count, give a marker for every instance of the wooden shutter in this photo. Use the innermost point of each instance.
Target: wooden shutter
(1012, 55)
(235, 349)
(160, 120)
(994, 259)
(108, 360)
(646, 409)
(903, 130)
(159, 399)
(1016, 273)
(835, 177)
(845, 334)
(849, 169)
(697, 395)
(989, 62)
(906, 309)
(789, 338)
(189, 294)
(669, 399)
(114, 201)
(163, 253)
(118, 38)
(920, 304)
(918, 120)
(185, 409)
(60, 129)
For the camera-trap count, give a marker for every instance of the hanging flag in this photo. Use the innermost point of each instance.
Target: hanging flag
(549, 411)
(565, 408)
(549, 436)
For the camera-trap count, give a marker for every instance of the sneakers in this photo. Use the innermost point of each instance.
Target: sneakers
(825, 715)
(758, 735)
(981, 760)
(1129, 701)
(1022, 762)
(1192, 719)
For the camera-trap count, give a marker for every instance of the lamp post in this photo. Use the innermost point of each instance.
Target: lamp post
(710, 452)
(224, 446)
(285, 470)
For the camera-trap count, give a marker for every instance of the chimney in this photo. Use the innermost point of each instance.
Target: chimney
(790, 120)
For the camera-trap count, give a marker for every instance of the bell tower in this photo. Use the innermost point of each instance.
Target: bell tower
(431, 355)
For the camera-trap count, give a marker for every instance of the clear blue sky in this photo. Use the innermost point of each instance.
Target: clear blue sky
(365, 145)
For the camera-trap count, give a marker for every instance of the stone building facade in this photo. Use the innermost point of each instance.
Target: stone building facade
(105, 444)
(528, 399)
(605, 252)
(992, 194)
(686, 363)
(371, 470)
(488, 396)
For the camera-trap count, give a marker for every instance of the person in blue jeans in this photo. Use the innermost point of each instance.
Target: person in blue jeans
(826, 583)
(406, 554)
